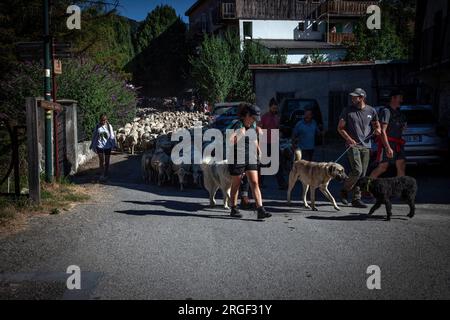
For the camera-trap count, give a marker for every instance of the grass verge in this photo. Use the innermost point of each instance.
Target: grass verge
(55, 198)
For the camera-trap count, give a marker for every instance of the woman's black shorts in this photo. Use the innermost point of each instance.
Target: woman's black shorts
(106, 152)
(240, 169)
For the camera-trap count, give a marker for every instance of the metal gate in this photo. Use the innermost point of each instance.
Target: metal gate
(62, 165)
(338, 100)
(11, 139)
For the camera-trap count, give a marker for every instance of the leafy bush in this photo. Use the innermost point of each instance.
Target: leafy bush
(96, 90)
(395, 39)
(216, 69)
(221, 72)
(252, 53)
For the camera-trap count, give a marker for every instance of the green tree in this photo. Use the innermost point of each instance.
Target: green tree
(105, 36)
(393, 41)
(157, 21)
(384, 44)
(253, 53)
(221, 70)
(161, 69)
(216, 69)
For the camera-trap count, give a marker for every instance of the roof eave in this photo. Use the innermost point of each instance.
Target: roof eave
(193, 7)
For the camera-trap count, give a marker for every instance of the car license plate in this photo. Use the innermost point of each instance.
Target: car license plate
(415, 138)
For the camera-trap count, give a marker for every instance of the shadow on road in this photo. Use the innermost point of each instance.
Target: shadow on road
(172, 205)
(180, 214)
(125, 172)
(355, 217)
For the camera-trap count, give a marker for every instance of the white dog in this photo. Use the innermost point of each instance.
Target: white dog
(216, 176)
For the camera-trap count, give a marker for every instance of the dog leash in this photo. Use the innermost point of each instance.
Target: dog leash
(348, 149)
(345, 152)
(369, 182)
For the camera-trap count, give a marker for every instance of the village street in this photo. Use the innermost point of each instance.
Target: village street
(133, 240)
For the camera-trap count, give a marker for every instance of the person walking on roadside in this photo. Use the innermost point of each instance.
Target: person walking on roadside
(391, 146)
(249, 115)
(271, 121)
(357, 124)
(103, 142)
(304, 135)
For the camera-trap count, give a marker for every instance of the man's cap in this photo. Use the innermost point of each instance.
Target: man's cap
(255, 111)
(359, 93)
(395, 93)
(273, 102)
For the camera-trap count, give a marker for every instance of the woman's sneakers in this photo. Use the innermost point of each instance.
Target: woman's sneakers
(235, 213)
(262, 213)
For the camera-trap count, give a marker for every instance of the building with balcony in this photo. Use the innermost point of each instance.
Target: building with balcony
(432, 52)
(300, 28)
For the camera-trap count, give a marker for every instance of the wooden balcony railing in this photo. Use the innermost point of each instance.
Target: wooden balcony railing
(345, 8)
(228, 10)
(339, 38)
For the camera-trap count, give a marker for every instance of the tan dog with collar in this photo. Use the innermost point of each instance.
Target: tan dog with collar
(314, 175)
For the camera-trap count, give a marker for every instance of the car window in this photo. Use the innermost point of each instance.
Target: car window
(228, 110)
(232, 111)
(293, 105)
(221, 110)
(419, 116)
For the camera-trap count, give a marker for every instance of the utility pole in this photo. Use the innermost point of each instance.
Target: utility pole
(55, 113)
(47, 94)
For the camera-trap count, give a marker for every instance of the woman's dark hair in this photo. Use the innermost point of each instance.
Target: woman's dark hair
(103, 115)
(273, 102)
(243, 110)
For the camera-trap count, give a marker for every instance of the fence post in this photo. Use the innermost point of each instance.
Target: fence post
(33, 151)
(15, 156)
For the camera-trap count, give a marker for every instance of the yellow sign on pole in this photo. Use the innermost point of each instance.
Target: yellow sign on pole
(57, 67)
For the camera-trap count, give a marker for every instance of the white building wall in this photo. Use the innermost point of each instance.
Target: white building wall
(295, 57)
(282, 30)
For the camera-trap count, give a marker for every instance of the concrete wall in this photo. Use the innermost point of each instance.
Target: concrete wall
(78, 153)
(312, 84)
(84, 154)
(41, 138)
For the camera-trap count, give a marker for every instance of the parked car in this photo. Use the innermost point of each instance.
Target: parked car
(426, 141)
(293, 110)
(223, 114)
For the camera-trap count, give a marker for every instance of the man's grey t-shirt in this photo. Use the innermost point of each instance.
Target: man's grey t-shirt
(358, 123)
(395, 120)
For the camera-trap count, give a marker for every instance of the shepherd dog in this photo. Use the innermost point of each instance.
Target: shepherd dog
(314, 175)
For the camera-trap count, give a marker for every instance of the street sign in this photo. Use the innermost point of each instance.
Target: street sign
(35, 50)
(49, 105)
(57, 67)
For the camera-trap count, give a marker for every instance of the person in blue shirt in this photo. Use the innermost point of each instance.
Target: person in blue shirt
(304, 135)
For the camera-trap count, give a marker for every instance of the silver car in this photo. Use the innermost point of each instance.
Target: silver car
(426, 141)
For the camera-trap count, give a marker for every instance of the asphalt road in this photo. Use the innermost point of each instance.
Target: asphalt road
(135, 241)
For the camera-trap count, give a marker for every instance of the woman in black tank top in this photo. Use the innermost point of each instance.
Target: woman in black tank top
(249, 115)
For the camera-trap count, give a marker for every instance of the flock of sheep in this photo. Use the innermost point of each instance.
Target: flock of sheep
(150, 133)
